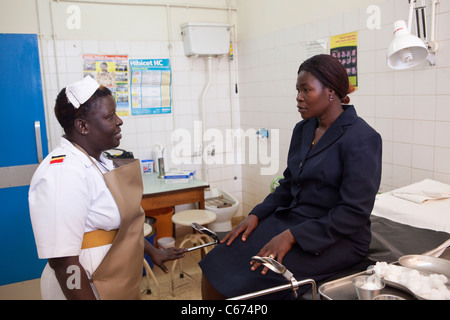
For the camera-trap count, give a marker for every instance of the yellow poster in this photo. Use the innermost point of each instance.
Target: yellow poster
(344, 47)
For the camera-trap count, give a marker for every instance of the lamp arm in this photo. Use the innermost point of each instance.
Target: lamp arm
(411, 12)
(432, 44)
(433, 18)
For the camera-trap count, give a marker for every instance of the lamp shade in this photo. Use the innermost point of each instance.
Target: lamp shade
(405, 50)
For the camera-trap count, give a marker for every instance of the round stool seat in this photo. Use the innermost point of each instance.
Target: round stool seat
(185, 218)
(147, 229)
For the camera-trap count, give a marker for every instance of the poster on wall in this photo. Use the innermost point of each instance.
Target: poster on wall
(110, 71)
(312, 48)
(151, 81)
(345, 48)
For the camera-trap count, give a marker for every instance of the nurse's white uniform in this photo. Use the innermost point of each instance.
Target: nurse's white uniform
(68, 197)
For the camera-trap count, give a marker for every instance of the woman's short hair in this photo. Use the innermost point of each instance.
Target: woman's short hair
(330, 72)
(66, 113)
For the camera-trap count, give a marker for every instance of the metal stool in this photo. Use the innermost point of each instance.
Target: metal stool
(186, 218)
(148, 271)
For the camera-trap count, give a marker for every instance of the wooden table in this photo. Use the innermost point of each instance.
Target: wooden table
(157, 194)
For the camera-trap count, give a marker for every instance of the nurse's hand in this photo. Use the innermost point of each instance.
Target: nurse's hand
(160, 256)
(246, 226)
(276, 249)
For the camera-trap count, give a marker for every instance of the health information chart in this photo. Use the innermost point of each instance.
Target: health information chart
(151, 81)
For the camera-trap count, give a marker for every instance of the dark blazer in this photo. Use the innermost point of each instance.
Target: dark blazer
(328, 191)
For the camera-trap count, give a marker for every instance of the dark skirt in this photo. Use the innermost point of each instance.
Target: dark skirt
(227, 268)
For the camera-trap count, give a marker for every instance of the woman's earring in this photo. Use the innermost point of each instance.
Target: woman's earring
(331, 98)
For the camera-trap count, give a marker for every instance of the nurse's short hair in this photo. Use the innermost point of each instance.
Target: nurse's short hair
(66, 113)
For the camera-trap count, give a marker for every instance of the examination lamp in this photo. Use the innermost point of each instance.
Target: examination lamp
(407, 50)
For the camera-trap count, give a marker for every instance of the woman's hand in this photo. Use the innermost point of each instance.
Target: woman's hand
(246, 226)
(160, 256)
(276, 249)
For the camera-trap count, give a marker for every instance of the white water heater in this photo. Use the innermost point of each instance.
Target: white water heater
(205, 39)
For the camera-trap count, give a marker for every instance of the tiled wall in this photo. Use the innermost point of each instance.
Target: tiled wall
(410, 109)
(141, 133)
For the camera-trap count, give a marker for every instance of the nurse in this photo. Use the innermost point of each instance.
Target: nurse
(85, 211)
(317, 221)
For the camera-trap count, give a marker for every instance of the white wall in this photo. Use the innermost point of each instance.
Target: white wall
(139, 31)
(255, 15)
(409, 108)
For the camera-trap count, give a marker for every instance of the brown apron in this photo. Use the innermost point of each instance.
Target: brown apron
(119, 275)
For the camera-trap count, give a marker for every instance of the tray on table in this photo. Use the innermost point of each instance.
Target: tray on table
(343, 289)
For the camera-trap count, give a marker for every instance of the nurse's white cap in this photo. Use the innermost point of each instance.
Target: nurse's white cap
(80, 92)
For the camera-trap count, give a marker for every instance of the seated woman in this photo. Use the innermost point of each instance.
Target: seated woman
(317, 221)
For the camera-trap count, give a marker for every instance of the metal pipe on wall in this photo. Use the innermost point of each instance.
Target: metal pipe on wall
(169, 35)
(151, 4)
(203, 116)
(43, 76)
